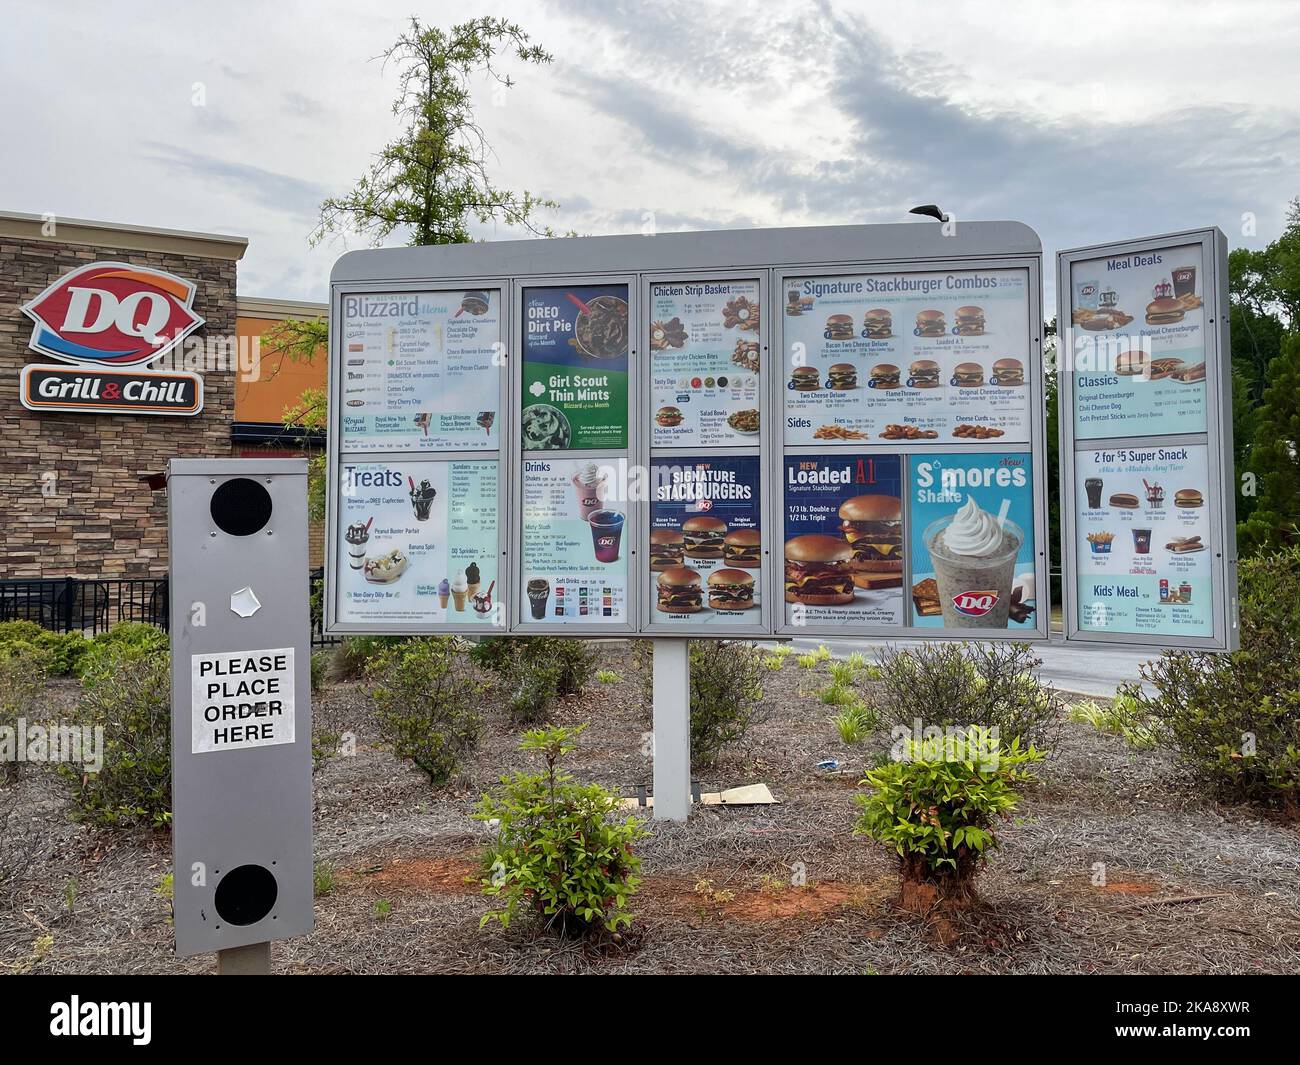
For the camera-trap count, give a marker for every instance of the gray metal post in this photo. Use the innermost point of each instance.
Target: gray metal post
(252, 960)
(672, 730)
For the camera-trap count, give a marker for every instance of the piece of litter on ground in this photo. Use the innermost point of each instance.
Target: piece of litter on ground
(745, 795)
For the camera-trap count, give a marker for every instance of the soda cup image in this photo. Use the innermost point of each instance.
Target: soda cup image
(974, 560)
(539, 591)
(606, 534)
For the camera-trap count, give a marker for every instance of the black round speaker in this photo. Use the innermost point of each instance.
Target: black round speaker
(246, 894)
(241, 506)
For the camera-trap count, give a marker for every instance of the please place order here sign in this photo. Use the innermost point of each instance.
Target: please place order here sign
(241, 699)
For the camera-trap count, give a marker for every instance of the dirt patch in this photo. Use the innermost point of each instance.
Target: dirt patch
(419, 876)
(812, 902)
(1128, 887)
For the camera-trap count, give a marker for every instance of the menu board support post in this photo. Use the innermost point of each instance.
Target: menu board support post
(672, 730)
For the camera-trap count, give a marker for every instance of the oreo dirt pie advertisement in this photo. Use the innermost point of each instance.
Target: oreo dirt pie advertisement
(420, 541)
(972, 538)
(575, 351)
(706, 552)
(843, 548)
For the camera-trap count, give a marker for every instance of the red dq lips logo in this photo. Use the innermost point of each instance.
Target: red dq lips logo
(977, 603)
(112, 314)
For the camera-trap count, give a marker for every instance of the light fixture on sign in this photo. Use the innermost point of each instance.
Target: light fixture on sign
(245, 603)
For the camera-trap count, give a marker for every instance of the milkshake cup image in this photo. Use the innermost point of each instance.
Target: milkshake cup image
(589, 487)
(444, 592)
(1142, 541)
(357, 536)
(421, 498)
(459, 586)
(606, 534)
(472, 578)
(539, 591)
(974, 561)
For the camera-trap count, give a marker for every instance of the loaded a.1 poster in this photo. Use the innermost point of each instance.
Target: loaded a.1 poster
(843, 550)
(706, 540)
(704, 363)
(574, 544)
(972, 531)
(575, 359)
(417, 542)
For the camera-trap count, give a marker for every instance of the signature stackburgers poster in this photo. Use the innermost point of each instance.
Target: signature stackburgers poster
(705, 540)
(574, 546)
(972, 541)
(419, 370)
(1143, 541)
(921, 357)
(704, 363)
(1139, 354)
(575, 358)
(417, 542)
(843, 548)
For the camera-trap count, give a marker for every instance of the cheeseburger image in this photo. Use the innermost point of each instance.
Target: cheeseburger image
(805, 379)
(968, 375)
(924, 373)
(1166, 311)
(970, 321)
(1131, 363)
(731, 589)
(1008, 373)
(839, 327)
(666, 547)
(873, 528)
(930, 324)
(704, 537)
(884, 375)
(841, 376)
(669, 416)
(878, 324)
(817, 570)
(742, 547)
(1188, 497)
(679, 591)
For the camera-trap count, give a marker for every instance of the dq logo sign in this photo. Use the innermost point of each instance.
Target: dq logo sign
(975, 604)
(112, 314)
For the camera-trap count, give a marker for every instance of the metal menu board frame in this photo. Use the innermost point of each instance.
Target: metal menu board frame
(767, 256)
(1215, 437)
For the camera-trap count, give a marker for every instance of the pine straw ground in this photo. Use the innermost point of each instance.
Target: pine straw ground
(389, 837)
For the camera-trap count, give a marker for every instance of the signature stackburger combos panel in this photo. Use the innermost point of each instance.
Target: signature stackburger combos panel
(1146, 443)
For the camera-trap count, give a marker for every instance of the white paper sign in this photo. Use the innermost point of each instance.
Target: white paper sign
(241, 699)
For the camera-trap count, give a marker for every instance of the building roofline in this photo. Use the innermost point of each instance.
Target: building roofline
(15, 224)
(260, 307)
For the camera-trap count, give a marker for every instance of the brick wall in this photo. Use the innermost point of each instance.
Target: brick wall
(71, 501)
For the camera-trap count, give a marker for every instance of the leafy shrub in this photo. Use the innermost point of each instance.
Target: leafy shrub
(936, 808)
(320, 664)
(22, 679)
(57, 653)
(985, 684)
(127, 693)
(125, 640)
(426, 701)
(560, 852)
(536, 670)
(1233, 720)
(726, 696)
(355, 653)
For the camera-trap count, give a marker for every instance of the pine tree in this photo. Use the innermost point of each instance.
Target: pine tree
(1275, 456)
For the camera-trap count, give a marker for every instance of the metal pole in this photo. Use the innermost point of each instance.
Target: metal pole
(672, 730)
(252, 960)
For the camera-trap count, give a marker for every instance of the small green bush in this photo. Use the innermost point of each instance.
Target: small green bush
(320, 664)
(58, 653)
(356, 653)
(726, 696)
(536, 671)
(560, 852)
(125, 640)
(426, 700)
(22, 681)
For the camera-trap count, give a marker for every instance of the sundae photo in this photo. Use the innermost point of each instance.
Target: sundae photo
(357, 536)
(421, 498)
(384, 569)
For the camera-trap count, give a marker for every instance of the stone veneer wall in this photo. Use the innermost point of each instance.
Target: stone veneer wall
(71, 501)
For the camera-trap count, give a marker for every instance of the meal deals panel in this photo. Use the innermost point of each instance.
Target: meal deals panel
(1142, 540)
(418, 542)
(706, 540)
(575, 367)
(419, 371)
(573, 543)
(926, 356)
(704, 363)
(1139, 343)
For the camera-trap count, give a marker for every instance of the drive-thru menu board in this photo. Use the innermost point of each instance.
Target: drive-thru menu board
(1147, 504)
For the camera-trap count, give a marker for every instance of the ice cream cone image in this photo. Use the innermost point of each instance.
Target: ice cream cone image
(459, 589)
(472, 580)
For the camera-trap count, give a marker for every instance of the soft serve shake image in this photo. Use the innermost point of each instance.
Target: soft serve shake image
(974, 557)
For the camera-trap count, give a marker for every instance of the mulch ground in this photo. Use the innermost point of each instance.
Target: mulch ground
(1083, 882)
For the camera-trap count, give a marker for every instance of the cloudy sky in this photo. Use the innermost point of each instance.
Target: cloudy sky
(1089, 121)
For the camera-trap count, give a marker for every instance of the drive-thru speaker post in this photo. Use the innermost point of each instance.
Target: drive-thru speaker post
(241, 711)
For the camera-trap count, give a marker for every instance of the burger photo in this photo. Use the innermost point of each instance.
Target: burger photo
(668, 416)
(968, 375)
(1165, 311)
(1131, 363)
(873, 528)
(884, 375)
(679, 591)
(839, 327)
(1008, 373)
(817, 570)
(666, 548)
(924, 373)
(841, 376)
(1188, 497)
(704, 537)
(742, 547)
(970, 321)
(731, 589)
(930, 324)
(805, 379)
(878, 324)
